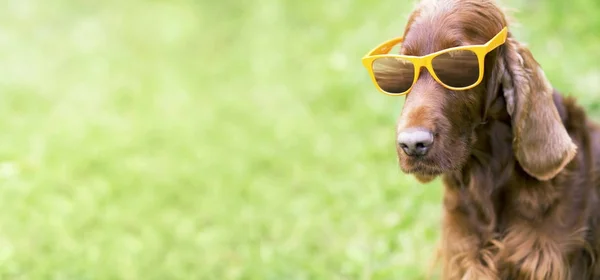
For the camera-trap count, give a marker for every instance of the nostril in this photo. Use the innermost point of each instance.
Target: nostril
(421, 149)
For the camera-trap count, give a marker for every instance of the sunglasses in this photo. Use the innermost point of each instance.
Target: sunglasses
(458, 68)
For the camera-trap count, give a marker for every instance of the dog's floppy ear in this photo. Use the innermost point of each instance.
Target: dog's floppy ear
(541, 142)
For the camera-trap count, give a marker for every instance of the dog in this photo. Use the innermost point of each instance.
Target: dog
(519, 162)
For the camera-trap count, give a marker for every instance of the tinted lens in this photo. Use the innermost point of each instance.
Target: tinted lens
(457, 68)
(394, 75)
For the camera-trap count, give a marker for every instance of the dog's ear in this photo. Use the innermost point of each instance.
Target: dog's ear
(541, 142)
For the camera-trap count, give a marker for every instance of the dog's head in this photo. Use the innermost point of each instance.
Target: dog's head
(436, 128)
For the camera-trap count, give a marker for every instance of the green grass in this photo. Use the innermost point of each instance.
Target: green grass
(224, 139)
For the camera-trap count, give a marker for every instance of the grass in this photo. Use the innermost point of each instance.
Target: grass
(223, 140)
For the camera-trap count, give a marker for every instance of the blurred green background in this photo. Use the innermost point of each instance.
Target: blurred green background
(224, 139)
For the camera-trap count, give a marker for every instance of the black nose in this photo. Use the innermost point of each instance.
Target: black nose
(415, 141)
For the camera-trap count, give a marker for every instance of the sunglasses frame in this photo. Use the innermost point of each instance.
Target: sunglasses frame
(419, 62)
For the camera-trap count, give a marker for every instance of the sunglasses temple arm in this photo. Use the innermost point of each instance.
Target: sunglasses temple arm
(385, 47)
(498, 40)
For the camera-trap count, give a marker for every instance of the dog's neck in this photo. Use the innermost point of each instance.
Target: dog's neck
(488, 169)
(491, 153)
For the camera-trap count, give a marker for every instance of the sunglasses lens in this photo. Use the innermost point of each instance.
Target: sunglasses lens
(394, 75)
(457, 68)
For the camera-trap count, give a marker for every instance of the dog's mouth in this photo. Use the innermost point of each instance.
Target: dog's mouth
(421, 168)
(423, 173)
(424, 168)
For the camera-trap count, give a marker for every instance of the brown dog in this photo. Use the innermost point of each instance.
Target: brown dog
(520, 164)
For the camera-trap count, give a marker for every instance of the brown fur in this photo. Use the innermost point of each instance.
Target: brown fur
(520, 163)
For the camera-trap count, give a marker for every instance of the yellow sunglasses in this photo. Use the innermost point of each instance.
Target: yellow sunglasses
(458, 68)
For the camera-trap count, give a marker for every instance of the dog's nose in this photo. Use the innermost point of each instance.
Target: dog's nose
(415, 141)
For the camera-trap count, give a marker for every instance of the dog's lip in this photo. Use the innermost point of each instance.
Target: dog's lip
(421, 166)
(424, 170)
